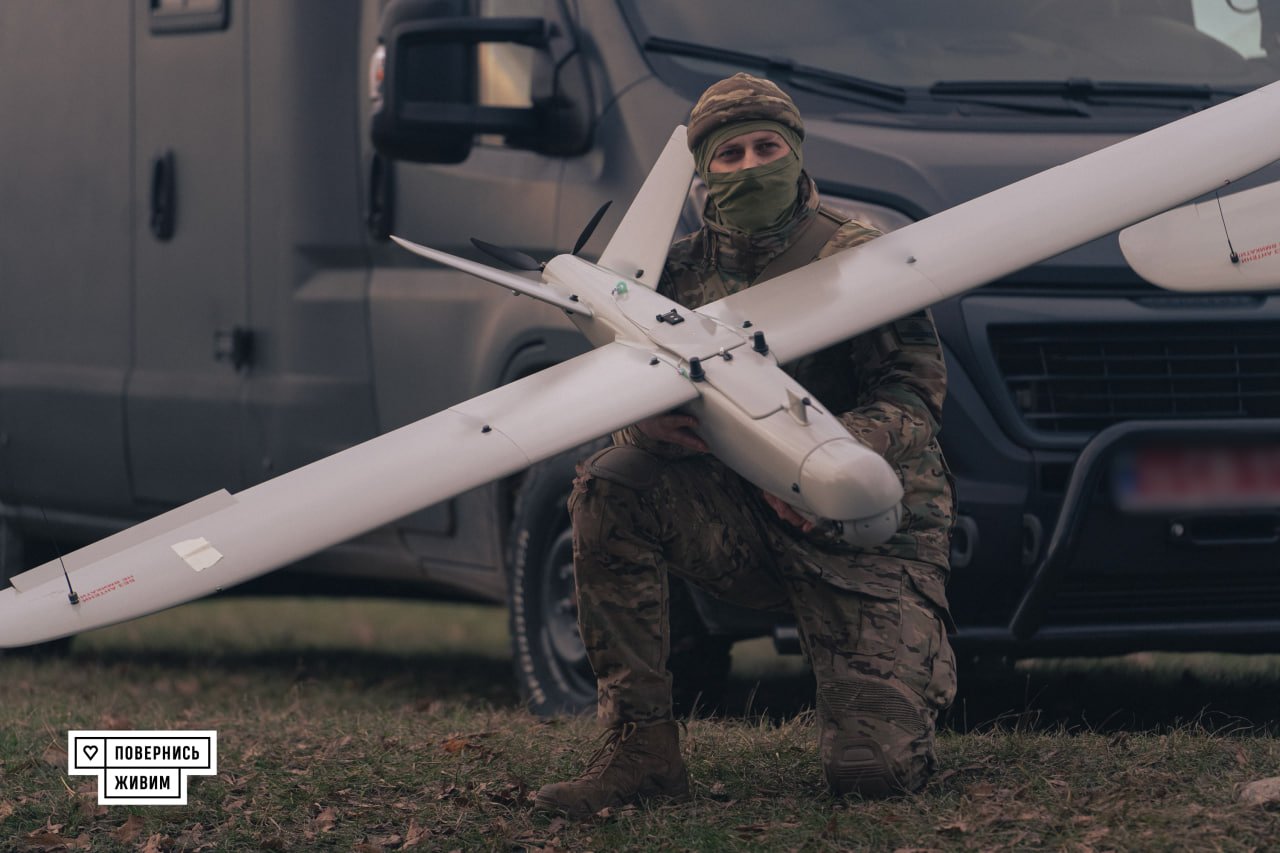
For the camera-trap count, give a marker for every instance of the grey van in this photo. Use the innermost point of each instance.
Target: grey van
(197, 290)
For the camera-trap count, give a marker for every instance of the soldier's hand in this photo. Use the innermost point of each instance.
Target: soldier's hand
(675, 429)
(787, 512)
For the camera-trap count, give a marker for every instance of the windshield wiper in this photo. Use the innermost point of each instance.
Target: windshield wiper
(783, 67)
(1080, 89)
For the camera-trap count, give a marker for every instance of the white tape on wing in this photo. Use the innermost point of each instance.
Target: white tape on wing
(198, 553)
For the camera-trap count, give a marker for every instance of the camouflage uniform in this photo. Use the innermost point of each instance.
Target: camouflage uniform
(872, 621)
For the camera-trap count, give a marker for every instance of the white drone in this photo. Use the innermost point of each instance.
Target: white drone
(719, 362)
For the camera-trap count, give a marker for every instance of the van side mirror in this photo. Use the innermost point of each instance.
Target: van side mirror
(427, 104)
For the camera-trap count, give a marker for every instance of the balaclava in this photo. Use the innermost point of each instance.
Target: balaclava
(761, 198)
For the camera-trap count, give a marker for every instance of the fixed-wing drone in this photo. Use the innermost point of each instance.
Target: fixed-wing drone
(720, 362)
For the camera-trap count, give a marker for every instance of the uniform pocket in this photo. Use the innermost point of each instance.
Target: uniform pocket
(941, 689)
(880, 623)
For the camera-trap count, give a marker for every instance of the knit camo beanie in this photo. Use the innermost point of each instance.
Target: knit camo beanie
(725, 107)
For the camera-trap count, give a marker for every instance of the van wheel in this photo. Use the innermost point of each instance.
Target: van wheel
(13, 552)
(551, 666)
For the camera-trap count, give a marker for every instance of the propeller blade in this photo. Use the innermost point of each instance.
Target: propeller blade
(510, 257)
(590, 229)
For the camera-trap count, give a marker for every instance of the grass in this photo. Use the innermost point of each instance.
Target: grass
(376, 725)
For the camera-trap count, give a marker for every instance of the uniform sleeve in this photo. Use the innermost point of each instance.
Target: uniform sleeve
(902, 382)
(901, 376)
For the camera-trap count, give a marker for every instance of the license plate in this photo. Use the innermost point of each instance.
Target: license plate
(1194, 478)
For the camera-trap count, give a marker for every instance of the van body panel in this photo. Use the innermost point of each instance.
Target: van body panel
(183, 406)
(65, 255)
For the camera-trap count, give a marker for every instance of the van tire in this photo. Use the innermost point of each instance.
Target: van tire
(551, 667)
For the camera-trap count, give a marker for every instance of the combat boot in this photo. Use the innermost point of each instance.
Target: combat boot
(635, 762)
(870, 738)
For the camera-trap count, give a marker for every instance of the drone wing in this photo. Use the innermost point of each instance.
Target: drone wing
(1228, 243)
(1016, 226)
(638, 248)
(224, 539)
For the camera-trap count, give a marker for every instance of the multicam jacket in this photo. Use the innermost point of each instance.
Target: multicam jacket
(888, 384)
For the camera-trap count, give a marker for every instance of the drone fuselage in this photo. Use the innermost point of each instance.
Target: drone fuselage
(755, 418)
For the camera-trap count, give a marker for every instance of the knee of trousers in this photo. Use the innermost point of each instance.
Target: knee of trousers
(874, 740)
(611, 480)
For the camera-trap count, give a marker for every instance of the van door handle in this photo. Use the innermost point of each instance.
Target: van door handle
(163, 192)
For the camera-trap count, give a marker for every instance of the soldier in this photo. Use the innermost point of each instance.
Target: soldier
(873, 622)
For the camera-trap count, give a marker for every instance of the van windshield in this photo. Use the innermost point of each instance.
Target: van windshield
(1224, 44)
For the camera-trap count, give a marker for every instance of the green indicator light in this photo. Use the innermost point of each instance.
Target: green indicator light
(620, 288)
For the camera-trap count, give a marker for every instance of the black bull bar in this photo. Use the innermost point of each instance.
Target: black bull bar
(1093, 463)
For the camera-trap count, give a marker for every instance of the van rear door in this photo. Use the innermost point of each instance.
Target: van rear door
(64, 254)
(191, 244)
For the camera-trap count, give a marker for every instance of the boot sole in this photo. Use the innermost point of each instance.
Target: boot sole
(858, 766)
(583, 810)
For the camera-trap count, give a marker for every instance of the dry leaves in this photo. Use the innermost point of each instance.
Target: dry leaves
(54, 755)
(158, 843)
(1261, 792)
(47, 840)
(129, 830)
(415, 835)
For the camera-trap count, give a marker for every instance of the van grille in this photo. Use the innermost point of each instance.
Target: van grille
(1223, 597)
(1083, 377)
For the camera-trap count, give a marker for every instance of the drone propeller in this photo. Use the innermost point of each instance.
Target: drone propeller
(511, 257)
(590, 229)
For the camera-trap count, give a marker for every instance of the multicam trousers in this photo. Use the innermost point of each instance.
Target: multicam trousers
(873, 628)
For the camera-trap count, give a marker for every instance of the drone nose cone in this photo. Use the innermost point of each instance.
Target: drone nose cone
(843, 479)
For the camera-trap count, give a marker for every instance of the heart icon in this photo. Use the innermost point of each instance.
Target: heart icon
(90, 751)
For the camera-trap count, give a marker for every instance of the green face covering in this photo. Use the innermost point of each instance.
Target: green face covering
(755, 200)
(752, 200)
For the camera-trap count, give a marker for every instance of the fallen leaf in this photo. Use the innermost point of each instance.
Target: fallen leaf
(326, 820)
(47, 840)
(980, 789)
(6, 809)
(157, 843)
(717, 789)
(1261, 792)
(55, 755)
(129, 830)
(415, 835)
(43, 839)
(959, 827)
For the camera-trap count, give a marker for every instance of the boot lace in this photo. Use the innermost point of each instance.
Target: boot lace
(603, 756)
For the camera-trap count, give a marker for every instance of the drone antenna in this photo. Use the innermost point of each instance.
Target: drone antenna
(1235, 259)
(72, 596)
